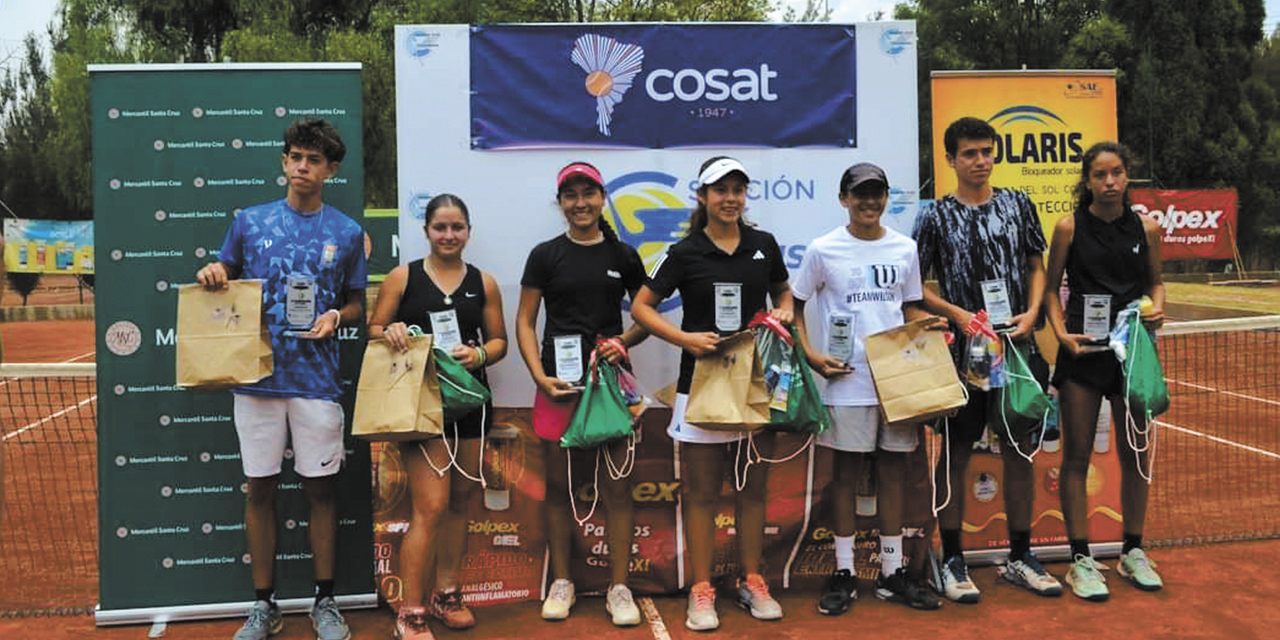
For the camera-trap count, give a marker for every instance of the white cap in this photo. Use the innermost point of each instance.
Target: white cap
(719, 169)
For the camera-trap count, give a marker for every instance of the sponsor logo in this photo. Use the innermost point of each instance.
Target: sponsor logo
(123, 338)
(418, 43)
(610, 66)
(691, 85)
(648, 214)
(1171, 218)
(894, 41)
(1056, 145)
(1083, 88)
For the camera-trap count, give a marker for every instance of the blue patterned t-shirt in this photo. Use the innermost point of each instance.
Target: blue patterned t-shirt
(272, 241)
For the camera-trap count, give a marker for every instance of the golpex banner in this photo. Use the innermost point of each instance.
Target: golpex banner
(663, 86)
(1198, 224)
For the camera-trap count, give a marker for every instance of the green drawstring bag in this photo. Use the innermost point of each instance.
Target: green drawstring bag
(1144, 377)
(1021, 405)
(805, 412)
(460, 393)
(602, 415)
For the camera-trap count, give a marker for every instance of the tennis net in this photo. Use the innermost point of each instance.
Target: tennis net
(1217, 466)
(49, 532)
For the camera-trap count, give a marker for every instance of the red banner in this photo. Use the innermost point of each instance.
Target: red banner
(1198, 224)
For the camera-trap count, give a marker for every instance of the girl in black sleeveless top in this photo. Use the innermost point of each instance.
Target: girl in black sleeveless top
(1111, 257)
(461, 308)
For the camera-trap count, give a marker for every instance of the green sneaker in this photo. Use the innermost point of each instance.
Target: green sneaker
(1140, 570)
(1085, 578)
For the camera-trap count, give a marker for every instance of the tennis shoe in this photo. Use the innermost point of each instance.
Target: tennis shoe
(328, 622)
(264, 620)
(1086, 580)
(956, 584)
(839, 593)
(753, 595)
(701, 613)
(901, 587)
(1027, 572)
(411, 624)
(448, 607)
(619, 604)
(1140, 570)
(559, 600)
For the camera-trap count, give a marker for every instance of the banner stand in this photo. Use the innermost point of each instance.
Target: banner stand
(160, 615)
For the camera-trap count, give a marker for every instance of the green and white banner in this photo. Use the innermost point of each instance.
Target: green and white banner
(178, 150)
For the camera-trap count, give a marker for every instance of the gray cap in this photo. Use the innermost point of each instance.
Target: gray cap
(861, 173)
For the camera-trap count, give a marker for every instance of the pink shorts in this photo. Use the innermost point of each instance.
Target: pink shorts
(551, 418)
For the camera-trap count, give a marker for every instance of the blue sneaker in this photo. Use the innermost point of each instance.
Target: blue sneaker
(264, 620)
(328, 622)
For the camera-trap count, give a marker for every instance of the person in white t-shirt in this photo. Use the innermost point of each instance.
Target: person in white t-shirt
(861, 278)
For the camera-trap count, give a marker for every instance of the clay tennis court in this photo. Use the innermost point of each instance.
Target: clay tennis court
(1213, 591)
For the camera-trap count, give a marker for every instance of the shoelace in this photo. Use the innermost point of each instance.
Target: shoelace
(959, 570)
(757, 586)
(620, 596)
(703, 596)
(327, 613)
(415, 621)
(559, 591)
(259, 617)
(450, 601)
(1091, 568)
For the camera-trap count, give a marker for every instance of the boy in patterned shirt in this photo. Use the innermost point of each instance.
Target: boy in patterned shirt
(310, 258)
(985, 246)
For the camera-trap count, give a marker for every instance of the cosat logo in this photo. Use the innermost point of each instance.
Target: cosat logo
(416, 203)
(647, 214)
(1044, 147)
(895, 41)
(418, 43)
(901, 201)
(610, 67)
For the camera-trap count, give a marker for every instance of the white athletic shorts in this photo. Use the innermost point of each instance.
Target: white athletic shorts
(681, 431)
(859, 429)
(266, 425)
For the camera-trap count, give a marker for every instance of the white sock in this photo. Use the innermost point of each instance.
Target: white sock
(844, 553)
(890, 554)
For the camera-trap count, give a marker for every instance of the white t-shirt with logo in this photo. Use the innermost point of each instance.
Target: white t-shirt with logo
(866, 280)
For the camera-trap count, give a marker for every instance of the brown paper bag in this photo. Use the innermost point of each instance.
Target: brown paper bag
(915, 377)
(222, 340)
(728, 391)
(398, 396)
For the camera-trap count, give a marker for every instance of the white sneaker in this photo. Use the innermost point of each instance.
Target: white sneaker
(619, 603)
(701, 612)
(956, 585)
(1140, 570)
(559, 600)
(1027, 572)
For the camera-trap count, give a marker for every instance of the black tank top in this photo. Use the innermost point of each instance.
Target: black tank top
(1106, 258)
(422, 297)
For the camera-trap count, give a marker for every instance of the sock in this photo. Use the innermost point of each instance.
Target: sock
(890, 554)
(1019, 544)
(1080, 547)
(1131, 541)
(844, 553)
(950, 543)
(264, 595)
(324, 589)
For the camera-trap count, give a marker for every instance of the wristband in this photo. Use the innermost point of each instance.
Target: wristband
(336, 323)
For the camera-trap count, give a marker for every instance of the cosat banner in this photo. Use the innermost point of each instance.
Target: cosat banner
(1044, 122)
(663, 86)
(1196, 224)
(48, 246)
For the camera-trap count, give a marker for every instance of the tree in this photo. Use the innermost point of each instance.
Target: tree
(23, 283)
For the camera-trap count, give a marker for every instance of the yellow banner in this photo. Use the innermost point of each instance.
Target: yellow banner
(1044, 121)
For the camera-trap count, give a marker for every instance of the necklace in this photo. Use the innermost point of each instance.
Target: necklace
(426, 264)
(586, 243)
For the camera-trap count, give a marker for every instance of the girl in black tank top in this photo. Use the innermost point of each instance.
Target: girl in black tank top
(460, 307)
(1107, 251)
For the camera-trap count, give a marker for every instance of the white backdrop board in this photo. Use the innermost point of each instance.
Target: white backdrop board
(443, 146)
